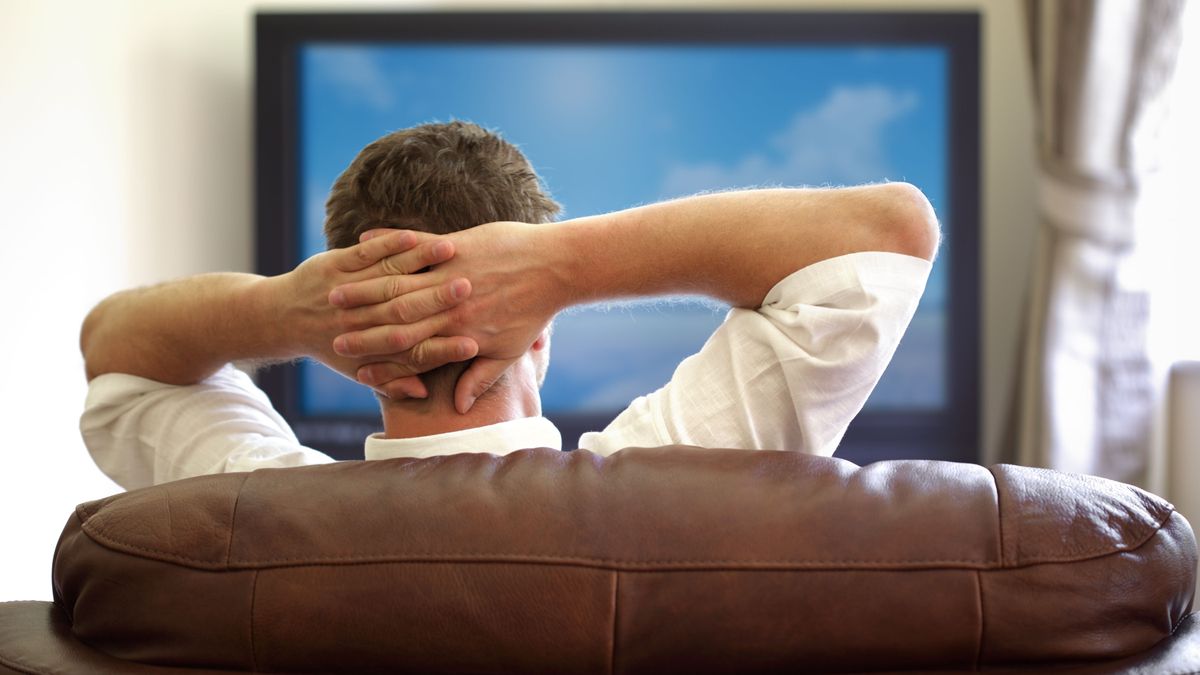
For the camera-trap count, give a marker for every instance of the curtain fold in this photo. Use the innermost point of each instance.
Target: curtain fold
(1085, 392)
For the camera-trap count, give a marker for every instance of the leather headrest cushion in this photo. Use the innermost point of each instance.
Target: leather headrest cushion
(678, 558)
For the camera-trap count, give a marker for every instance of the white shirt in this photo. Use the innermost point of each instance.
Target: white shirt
(787, 376)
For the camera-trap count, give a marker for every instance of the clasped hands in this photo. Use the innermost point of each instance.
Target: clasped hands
(400, 303)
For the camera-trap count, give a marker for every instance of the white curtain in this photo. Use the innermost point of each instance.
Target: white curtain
(1085, 395)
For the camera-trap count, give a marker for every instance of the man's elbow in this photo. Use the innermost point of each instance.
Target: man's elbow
(911, 226)
(90, 338)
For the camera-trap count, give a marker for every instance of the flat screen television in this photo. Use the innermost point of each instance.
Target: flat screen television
(616, 109)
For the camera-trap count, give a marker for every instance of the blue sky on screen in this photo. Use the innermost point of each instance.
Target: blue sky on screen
(609, 127)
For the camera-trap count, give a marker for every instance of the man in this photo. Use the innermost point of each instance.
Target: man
(823, 284)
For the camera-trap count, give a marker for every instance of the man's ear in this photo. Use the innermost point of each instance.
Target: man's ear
(539, 352)
(542, 341)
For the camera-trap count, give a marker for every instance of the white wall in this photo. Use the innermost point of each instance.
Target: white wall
(125, 159)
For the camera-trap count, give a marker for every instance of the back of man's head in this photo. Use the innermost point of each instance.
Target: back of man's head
(437, 178)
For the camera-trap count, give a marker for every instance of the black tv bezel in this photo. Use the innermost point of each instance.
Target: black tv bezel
(948, 434)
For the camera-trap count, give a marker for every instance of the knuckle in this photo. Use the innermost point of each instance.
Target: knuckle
(442, 298)
(390, 266)
(395, 287)
(419, 355)
(397, 341)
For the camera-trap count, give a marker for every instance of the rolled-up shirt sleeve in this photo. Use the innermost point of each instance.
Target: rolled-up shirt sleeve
(141, 432)
(789, 375)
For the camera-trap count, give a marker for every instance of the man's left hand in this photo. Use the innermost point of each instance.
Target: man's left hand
(314, 321)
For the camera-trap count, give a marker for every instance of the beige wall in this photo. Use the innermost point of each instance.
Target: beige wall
(125, 158)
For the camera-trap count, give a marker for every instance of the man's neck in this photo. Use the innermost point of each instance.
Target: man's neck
(413, 419)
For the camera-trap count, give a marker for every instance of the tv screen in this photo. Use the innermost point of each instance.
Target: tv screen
(616, 110)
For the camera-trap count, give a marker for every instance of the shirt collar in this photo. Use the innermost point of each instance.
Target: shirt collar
(498, 439)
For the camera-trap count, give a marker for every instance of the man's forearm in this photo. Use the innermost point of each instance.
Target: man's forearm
(735, 246)
(182, 331)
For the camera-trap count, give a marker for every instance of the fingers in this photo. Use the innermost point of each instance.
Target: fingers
(432, 353)
(477, 379)
(376, 232)
(395, 252)
(374, 291)
(406, 309)
(402, 388)
(369, 252)
(414, 260)
(388, 339)
(379, 340)
(383, 289)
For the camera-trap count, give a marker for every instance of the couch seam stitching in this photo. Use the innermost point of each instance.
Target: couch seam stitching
(1176, 625)
(979, 593)
(999, 515)
(518, 557)
(16, 665)
(1091, 554)
(103, 537)
(253, 598)
(612, 652)
(233, 519)
(533, 557)
(98, 533)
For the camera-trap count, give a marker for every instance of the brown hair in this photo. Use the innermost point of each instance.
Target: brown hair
(437, 178)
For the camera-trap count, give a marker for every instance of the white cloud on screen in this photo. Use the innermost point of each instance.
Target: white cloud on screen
(583, 87)
(838, 141)
(357, 76)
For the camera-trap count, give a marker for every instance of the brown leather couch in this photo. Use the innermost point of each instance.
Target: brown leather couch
(649, 561)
